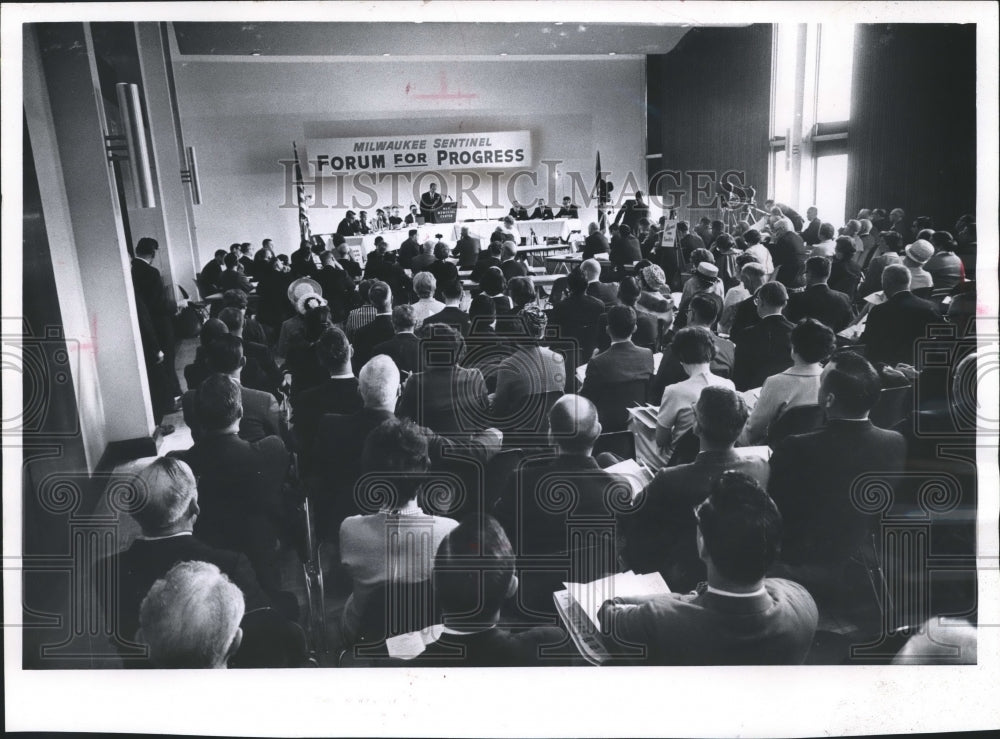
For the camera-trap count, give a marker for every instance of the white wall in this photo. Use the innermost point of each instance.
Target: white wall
(242, 117)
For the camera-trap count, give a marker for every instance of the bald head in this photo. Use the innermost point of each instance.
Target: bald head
(573, 425)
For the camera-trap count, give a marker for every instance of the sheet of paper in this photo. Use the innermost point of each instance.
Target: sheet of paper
(638, 476)
(581, 372)
(591, 596)
(412, 644)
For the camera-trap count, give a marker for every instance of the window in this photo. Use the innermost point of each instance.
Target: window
(810, 110)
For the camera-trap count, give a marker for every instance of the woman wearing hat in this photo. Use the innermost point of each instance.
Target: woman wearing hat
(704, 280)
(654, 297)
(915, 256)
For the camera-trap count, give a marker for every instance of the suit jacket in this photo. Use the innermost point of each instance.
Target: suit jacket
(623, 362)
(705, 628)
(240, 496)
(429, 205)
(444, 272)
(529, 372)
(334, 395)
(338, 290)
(406, 252)
(606, 292)
(302, 263)
(820, 302)
(570, 212)
(451, 316)
(421, 263)
(513, 268)
(147, 560)
(447, 400)
(813, 477)
(336, 462)
(744, 317)
(209, 277)
(534, 525)
(260, 371)
(689, 242)
(261, 416)
(348, 228)
(595, 243)
(542, 214)
(403, 349)
(790, 254)
(894, 328)
(761, 351)
(625, 250)
(467, 251)
(811, 234)
(631, 213)
(845, 276)
(495, 647)
(368, 337)
(482, 264)
(660, 527)
(518, 214)
(578, 318)
(670, 370)
(158, 321)
(233, 279)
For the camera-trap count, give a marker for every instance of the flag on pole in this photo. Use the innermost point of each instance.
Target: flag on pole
(305, 232)
(599, 188)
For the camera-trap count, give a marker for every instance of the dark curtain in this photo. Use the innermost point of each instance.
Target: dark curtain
(709, 108)
(912, 135)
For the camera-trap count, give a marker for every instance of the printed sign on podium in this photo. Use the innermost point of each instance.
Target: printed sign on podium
(447, 212)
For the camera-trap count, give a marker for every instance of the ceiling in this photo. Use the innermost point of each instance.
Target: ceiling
(424, 39)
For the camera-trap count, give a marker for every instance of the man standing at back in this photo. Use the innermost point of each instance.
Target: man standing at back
(739, 617)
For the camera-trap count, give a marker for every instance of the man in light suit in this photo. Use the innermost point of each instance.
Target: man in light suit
(739, 617)
(894, 327)
(623, 364)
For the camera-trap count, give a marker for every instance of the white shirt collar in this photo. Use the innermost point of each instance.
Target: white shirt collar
(168, 536)
(728, 594)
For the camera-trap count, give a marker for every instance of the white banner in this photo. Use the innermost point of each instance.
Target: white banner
(669, 237)
(435, 151)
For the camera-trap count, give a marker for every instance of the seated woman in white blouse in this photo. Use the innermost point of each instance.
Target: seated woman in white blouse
(694, 348)
(812, 343)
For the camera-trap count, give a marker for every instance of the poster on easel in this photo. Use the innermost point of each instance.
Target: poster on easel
(669, 237)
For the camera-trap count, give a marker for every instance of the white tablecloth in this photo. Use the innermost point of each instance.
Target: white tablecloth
(397, 237)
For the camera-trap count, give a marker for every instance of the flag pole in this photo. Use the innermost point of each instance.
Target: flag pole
(305, 231)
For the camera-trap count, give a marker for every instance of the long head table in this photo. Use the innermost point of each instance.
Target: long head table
(555, 228)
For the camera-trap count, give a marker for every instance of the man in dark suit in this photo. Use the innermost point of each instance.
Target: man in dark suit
(451, 315)
(625, 248)
(404, 347)
(302, 263)
(445, 396)
(408, 249)
(568, 209)
(542, 212)
(659, 527)
(510, 265)
(595, 243)
(517, 211)
(383, 267)
(430, 203)
(259, 370)
(337, 394)
(338, 288)
(466, 249)
(239, 482)
(789, 254)
(817, 478)
(764, 349)
(346, 260)
(894, 327)
(818, 300)
(845, 273)
(167, 518)
(606, 292)
(208, 280)
(157, 331)
(535, 526)
(379, 329)
(474, 576)
(619, 376)
(232, 277)
(260, 417)
(811, 233)
(349, 225)
(577, 317)
(490, 257)
(702, 311)
(741, 617)
(632, 212)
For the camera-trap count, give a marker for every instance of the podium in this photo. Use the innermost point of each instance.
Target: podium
(446, 213)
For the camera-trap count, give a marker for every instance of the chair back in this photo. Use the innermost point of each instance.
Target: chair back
(799, 419)
(686, 450)
(614, 400)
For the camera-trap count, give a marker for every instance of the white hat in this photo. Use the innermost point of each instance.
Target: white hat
(301, 303)
(302, 286)
(920, 251)
(708, 270)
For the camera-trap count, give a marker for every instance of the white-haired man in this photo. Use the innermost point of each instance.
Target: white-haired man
(606, 292)
(166, 511)
(191, 618)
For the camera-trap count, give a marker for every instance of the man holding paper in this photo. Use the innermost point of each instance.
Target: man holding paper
(738, 617)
